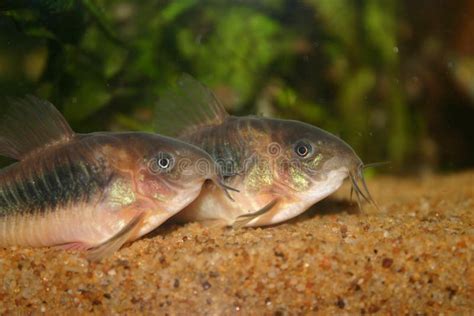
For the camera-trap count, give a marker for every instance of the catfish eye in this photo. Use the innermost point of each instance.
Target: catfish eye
(303, 149)
(164, 161)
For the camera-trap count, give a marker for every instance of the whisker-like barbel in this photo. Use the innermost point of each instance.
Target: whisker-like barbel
(364, 184)
(376, 164)
(356, 189)
(358, 177)
(364, 191)
(226, 189)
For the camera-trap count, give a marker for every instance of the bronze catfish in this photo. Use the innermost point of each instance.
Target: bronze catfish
(280, 167)
(90, 191)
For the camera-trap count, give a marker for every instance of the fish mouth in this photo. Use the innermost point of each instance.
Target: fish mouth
(359, 186)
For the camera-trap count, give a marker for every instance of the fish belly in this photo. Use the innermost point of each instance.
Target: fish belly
(80, 224)
(213, 205)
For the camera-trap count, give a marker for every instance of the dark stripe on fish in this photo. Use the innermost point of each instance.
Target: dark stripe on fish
(229, 143)
(64, 185)
(226, 154)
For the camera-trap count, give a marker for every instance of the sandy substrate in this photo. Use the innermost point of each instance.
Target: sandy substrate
(415, 255)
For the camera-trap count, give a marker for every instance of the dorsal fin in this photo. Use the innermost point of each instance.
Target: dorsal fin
(30, 124)
(191, 107)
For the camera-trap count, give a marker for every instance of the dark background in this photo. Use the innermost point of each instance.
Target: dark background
(395, 79)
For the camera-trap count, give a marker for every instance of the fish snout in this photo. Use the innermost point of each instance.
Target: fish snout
(339, 156)
(347, 156)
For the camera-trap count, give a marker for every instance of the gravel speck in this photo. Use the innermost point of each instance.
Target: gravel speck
(340, 303)
(206, 285)
(387, 263)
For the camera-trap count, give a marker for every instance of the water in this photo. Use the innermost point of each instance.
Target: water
(387, 78)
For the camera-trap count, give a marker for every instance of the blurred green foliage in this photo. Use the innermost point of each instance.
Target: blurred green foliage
(364, 70)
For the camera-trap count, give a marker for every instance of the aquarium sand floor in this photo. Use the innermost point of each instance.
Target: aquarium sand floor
(414, 255)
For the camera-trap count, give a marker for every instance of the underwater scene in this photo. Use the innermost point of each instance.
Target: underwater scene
(236, 157)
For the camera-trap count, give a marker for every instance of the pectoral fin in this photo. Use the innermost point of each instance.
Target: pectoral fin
(243, 220)
(116, 242)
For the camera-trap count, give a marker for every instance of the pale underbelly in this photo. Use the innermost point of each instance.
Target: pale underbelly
(86, 225)
(213, 205)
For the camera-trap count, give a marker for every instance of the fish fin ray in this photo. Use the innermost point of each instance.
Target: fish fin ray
(190, 107)
(243, 220)
(112, 245)
(30, 124)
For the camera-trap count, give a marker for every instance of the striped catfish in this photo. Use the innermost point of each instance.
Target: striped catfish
(92, 192)
(280, 167)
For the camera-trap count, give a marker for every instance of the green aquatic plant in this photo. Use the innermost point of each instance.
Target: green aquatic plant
(346, 66)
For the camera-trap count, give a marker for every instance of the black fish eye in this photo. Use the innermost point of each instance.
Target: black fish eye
(165, 161)
(303, 149)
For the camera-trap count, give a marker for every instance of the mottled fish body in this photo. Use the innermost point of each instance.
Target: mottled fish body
(280, 167)
(92, 192)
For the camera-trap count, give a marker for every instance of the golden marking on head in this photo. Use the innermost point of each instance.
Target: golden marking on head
(315, 162)
(260, 175)
(299, 180)
(121, 193)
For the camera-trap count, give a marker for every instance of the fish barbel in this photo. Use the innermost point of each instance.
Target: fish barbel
(280, 167)
(94, 191)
